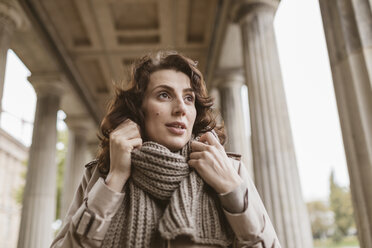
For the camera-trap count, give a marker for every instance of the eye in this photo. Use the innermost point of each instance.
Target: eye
(189, 98)
(163, 95)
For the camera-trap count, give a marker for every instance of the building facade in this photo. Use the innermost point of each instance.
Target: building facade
(13, 159)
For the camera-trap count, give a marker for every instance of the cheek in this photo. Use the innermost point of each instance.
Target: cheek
(153, 114)
(192, 118)
(152, 122)
(193, 115)
(151, 110)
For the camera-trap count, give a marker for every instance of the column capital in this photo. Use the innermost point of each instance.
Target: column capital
(229, 78)
(241, 9)
(80, 125)
(10, 13)
(48, 83)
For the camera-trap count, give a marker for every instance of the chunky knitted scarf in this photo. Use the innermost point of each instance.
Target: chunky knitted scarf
(165, 197)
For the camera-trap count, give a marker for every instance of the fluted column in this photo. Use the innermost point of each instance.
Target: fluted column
(274, 161)
(93, 148)
(348, 30)
(39, 199)
(9, 20)
(230, 91)
(77, 157)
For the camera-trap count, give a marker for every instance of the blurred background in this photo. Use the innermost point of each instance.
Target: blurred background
(291, 79)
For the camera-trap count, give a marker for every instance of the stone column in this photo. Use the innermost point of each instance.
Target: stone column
(274, 161)
(93, 148)
(39, 199)
(9, 21)
(348, 30)
(231, 104)
(77, 157)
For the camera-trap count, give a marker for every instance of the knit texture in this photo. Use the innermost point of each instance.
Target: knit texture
(165, 197)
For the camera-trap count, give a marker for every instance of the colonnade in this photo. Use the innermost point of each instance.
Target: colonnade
(39, 201)
(349, 38)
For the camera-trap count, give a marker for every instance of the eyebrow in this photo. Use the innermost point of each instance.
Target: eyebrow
(171, 89)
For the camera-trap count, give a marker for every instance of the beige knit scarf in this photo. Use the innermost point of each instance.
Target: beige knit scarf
(165, 197)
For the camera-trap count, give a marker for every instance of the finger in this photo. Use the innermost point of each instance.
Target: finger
(136, 142)
(195, 163)
(124, 123)
(128, 129)
(192, 162)
(127, 123)
(136, 132)
(198, 146)
(210, 138)
(197, 155)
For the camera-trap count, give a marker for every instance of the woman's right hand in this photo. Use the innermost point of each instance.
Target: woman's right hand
(123, 140)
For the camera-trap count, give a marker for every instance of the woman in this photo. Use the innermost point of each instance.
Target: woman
(163, 178)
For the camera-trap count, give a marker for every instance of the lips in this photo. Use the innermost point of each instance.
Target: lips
(176, 124)
(177, 128)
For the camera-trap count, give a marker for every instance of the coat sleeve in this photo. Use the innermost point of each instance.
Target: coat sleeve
(247, 215)
(89, 215)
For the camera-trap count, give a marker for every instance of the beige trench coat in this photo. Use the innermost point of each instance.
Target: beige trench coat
(94, 205)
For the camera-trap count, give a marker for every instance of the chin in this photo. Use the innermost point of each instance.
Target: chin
(174, 144)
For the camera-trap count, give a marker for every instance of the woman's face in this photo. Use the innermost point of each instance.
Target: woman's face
(169, 109)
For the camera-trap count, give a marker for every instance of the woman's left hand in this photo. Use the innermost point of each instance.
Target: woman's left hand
(211, 162)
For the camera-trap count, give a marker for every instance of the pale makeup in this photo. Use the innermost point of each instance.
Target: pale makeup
(169, 109)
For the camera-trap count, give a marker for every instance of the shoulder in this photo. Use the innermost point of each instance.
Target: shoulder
(91, 176)
(92, 170)
(91, 164)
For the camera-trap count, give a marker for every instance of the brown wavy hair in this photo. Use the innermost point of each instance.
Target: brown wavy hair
(127, 103)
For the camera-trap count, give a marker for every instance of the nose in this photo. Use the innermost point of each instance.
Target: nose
(179, 107)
